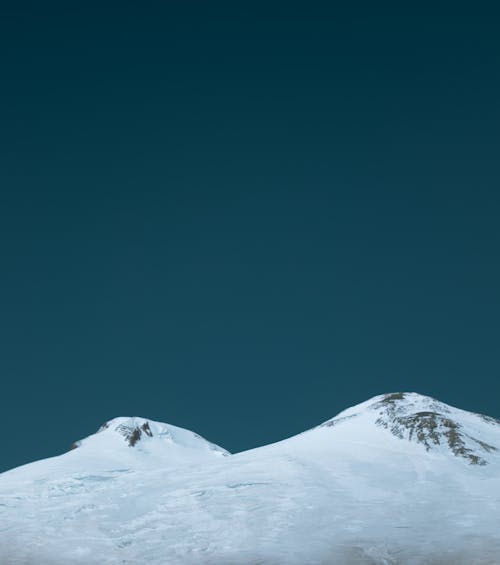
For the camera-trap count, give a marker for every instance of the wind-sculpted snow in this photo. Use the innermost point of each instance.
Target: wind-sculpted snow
(381, 483)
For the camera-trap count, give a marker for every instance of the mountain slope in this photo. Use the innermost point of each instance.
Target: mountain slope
(401, 478)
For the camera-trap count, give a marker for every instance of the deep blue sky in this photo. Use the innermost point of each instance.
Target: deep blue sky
(243, 217)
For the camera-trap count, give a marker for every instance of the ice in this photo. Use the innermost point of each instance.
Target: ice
(382, 483)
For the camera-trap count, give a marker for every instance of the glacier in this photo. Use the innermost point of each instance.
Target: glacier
(399, 479)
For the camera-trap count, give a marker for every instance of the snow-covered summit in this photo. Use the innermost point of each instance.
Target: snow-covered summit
(145, 435)
(426, 421)
(126, 443)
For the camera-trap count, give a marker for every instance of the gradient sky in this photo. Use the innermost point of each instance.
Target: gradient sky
(244, 217)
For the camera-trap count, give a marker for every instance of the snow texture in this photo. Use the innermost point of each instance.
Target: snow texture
(399, 479)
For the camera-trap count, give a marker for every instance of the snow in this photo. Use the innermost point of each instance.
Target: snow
(361, 488)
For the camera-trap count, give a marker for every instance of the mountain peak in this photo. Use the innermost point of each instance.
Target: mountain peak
(426, 421)
(132, 429)
(146, 436)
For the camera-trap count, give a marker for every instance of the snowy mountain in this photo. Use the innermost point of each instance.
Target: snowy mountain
(150, 440)
(399, 479)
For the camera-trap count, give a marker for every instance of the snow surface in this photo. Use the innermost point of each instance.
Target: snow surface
(399, 479)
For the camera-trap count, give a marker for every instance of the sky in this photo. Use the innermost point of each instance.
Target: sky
(243, 217)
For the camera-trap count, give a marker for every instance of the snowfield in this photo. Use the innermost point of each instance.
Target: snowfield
(399, 479)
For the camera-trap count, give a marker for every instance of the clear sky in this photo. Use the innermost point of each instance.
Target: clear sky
(244, 217)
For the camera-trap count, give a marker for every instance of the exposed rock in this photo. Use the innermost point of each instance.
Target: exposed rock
(430, 428)
(134, 433)
(336, 421)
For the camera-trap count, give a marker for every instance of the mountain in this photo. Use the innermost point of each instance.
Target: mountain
(399, 479)
(169, 444)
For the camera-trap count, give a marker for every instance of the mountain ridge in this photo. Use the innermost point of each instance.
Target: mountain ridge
(381, 483)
